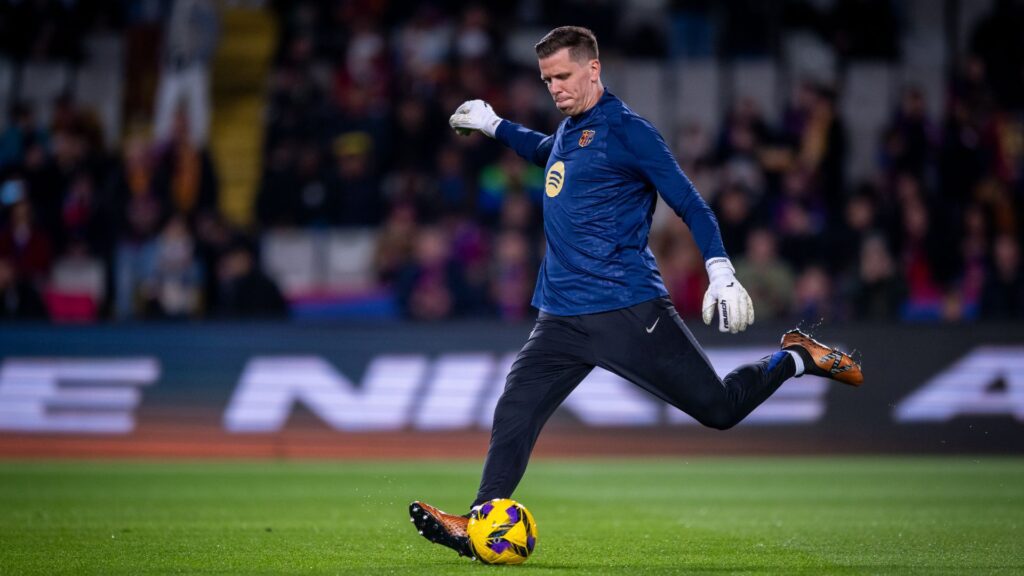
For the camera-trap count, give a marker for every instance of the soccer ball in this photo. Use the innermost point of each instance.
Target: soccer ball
(502, 531)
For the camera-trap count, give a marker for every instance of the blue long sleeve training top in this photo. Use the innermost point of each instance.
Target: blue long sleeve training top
(603, 170)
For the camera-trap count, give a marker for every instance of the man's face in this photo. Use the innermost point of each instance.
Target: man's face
(571, 83)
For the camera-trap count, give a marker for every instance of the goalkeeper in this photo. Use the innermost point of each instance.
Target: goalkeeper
(601, 298)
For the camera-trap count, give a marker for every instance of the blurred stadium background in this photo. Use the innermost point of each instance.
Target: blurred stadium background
(201, 160)
(244, 229)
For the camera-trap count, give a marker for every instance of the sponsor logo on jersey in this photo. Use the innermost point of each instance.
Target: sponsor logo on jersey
(555, 179)
(586, 138)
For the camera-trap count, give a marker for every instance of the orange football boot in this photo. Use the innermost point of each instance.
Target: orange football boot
(440, 527)
(820, 360)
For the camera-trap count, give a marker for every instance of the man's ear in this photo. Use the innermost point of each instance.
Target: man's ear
(595, 70)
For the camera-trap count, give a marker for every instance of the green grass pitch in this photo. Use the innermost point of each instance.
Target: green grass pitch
(619, 516)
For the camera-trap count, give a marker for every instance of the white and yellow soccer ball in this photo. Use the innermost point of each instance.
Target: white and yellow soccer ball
(502, 531)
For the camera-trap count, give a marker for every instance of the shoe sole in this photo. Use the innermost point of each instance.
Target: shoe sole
(433, 530)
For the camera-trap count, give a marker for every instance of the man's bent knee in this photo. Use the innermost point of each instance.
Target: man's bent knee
(719, 419)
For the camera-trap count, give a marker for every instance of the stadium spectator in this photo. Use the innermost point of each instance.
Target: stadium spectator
(797, 113)
(512, 277)
(682, 269)
(877, 291)
(315, 202)
(521, 214)
(432, 286)
(190, 40)
(184, 174)
(452, 180)
(693, 149)
(735, 217)
(22, 130)
(822, 151)
(395, 243)
(472, 39)
(214, 237)
(277, 204)
(414, 133)
(1002, 296)
(522, 100)
(860, 218)
(812, 295)
(963, 157)
(79, 164)
(472, 251)
(172, 286)
(768, 280)
(925, 293)
(505, 178)
(83, 219)
(364, 70)
(245, 291)
(909, 138)
(352, 186)
(422, 45)
(77, 287)
(416, 189)
(973, 264)
(43, 183)
(739, 144)
(359, 114)
(24, 242)
(800, 217)
(137, 214)
(19, 299)
(297, 105)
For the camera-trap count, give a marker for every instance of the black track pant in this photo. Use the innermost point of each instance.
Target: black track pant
(647, 344)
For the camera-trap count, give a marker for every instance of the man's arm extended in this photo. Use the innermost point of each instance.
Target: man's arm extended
(477, 115)
(531, 145)
(652, 158)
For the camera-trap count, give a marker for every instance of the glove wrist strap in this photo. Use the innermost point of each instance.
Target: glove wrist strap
(718, 268)
(490, 127)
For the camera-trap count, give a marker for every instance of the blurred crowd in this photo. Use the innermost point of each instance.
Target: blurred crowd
(88, 234)
(933, 235)
(356, 135)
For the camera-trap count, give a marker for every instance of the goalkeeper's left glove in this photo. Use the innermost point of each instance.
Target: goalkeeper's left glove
(475, 115)
(735, 310)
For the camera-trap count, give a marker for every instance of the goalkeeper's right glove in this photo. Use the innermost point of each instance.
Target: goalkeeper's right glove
(475, 115)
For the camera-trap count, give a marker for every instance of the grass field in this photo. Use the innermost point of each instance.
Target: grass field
(720, 516)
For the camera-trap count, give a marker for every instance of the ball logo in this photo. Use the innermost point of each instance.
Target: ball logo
(555, 179)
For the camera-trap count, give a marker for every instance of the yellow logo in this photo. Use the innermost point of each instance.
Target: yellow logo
(555, 179)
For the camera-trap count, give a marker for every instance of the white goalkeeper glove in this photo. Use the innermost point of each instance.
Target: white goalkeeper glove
(735, 310)
(475, 115)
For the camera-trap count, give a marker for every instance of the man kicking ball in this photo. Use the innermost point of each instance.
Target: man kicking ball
(601, 298)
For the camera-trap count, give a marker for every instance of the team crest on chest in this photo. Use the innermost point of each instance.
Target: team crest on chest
(586, 138)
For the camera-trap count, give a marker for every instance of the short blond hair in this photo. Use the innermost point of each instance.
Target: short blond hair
(580, 41)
